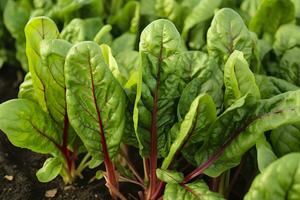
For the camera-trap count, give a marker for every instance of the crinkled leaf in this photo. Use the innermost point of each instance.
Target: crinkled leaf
(286, 139)
(36, 132)
(36, 30)
(159, 83)
(265, 154)
(238, 79)
(210, 81)
(270, 86)
(169, 176)
(125, 42)
(238, 129)
(201, 115)
(270, 15)
(286, 37)
(228, 33)
(280, 180)
(50, 170)
(192, 191)
(96, 101)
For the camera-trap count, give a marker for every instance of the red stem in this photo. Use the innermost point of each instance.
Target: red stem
(109, 166)
(65, 150)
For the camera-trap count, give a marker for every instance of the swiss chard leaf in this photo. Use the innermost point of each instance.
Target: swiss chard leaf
(237, 130)
(192, 191)
(96, 101)
(51, 168)
(228, 33)
(36, 30)
(279, 181)
(238, 79)
(265, 154)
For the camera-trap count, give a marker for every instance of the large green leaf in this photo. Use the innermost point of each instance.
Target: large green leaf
(37, 132)
(228, 33)
(270, 15)
(238, 79)
(95, 100)
(201, 115)
(36, 30)
(159, 83)
(279, 181)
(286, 139)
(239, 127)
(192, 191)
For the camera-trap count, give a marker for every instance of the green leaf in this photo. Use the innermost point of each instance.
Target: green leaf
(15, 17)
(169, 176)
(279, 181)
(127, 18)
(53, 54)
(81, 29)
(270, 86)
(286, 139)
(192, 191)
(202, 12)
(201, 115)
(210, 81)
(37, 132)
(270, 15)
(96, 101)
(286, 37)
(228, 33)
(265, 154)
(159, 82)
(125, 42)
(238, 79)
(50, 170)
(36, 30)
(26, 90)
(237, 129)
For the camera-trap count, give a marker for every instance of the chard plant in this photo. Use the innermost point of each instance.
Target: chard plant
(207, 108)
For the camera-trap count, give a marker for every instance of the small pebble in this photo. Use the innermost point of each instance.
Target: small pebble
(9, 178)
(51, 193)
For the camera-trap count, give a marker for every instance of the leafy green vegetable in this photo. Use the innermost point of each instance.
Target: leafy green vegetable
(279, 181)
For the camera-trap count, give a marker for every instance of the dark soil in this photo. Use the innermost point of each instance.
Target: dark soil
(18, 166)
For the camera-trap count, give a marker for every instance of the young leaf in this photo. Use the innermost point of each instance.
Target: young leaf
(192, 191)
(228, 33)
(226, 145)
(158, 82)
(280, 180)
(36, 30)
(36, 132)
(50, 170)
(169, 176)
(96, 101)
(238, 79)
(265, 154)
(201, 115)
